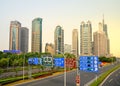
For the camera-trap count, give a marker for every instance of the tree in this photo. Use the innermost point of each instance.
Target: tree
(3, 62)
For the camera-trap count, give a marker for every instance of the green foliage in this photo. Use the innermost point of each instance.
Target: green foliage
(3, 62)
(1, 70)
(105, 59)
(58, 56)
(103, 76)
(10, 80)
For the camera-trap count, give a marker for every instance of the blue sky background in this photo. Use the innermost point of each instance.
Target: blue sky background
(67, 13)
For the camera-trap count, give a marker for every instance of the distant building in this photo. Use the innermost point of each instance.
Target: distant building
(100, 42)
(92, 48)
(14, 40)
(49, 48)
(67, 48)
(59, 39)
(86, 39)
(106, 33)
(37, 35)
(75, 47)
(24, 36)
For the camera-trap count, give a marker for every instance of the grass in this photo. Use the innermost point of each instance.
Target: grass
(103, 76)
(13, 79)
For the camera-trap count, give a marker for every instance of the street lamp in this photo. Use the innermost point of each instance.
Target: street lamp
(77, 64)
(64, 66)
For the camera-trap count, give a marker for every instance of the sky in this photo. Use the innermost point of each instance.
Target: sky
(67, 13)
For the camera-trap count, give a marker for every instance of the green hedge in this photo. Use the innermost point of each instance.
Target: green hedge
(10, 80)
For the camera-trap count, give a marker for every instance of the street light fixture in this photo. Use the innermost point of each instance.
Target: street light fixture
(64, 66)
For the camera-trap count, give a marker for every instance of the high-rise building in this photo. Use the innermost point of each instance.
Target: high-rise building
(59, 39)
(108, 41)
(86, 38)
(37, 35)
(75, 42)
(14, 41)
(100, 42)
(49, 48)
(67, 48)
(24, 36)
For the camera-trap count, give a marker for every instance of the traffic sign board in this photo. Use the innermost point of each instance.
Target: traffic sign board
(89, 63)
(35, 60)
(59, 62)
(47, 60)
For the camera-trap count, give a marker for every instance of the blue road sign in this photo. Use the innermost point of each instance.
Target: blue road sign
(30, 61)
(35, 60)
(12, 51)
(59, 62)
(89, 63)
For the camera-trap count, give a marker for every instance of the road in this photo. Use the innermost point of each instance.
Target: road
(59, 79)
(113, 79)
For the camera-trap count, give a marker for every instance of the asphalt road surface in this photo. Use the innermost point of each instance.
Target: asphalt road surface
(59, 79)
(113, 79)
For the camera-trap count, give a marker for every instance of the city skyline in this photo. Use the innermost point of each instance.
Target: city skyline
(64, 13)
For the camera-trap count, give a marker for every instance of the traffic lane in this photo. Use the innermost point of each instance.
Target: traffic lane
(59, 80)
(88, 76)
(53, 81)
(85, 77)
(113, 80)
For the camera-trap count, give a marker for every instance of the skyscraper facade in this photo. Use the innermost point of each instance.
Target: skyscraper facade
(14, 40)
(49, 48)
(37, 35)
(75, 42)
(59, 39)
(67, 48)
(106, 33)
(86, 38)
(100, 42)
(24, 36)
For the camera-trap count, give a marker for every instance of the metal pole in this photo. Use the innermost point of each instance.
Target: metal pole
(78, 72)
(23, 65)
(64, 67)
(64, 70)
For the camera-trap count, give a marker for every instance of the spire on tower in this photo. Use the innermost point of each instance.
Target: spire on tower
(103, 19)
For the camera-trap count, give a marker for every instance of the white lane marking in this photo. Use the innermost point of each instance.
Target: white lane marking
(110, 80)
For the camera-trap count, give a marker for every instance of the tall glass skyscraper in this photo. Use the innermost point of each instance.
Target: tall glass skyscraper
(24, 36)
(86, 38)
(14, 40)
(106, 33)
(37, 35)
(75, 42)
(59, 39)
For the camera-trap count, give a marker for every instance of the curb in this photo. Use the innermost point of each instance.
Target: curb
(32, 80)
(108, 77)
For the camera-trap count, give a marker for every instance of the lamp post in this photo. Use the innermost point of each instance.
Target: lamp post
(64, 66)
(77, 71)
(23, 66)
